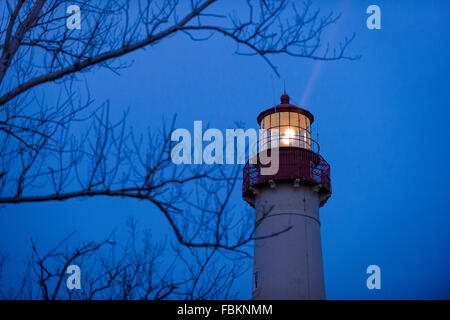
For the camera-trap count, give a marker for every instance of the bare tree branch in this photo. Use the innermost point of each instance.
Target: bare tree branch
(62, 147)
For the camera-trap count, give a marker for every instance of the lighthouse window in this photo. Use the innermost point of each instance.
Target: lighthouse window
(286, 129)
(302, 122)
(284, 118)
(287, 135)
(274, 120)
(294, 119)
(274, 137)
(266, 122)
(263, 140)
(303, 139)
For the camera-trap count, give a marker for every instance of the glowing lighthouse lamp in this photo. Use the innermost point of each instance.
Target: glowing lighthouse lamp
(288, 264)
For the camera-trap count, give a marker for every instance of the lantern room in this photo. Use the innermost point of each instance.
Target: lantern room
(286, 125)
(287, 128)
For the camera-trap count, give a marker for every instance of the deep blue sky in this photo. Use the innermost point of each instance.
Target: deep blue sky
(383, 124)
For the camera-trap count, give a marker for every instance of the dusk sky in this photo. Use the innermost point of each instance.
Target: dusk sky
(383, 128)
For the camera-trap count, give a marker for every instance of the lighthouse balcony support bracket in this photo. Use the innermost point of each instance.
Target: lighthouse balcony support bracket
(301, 166)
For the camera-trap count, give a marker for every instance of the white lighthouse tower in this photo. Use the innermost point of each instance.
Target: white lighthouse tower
(288, 252)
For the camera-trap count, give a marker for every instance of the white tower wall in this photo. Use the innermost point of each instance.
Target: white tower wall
(288, 265)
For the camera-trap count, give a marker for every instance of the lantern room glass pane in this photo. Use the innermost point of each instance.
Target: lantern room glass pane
(296, 136)
(293, 121)
(274, 121)
(289, 136)
(285, 136)
(274, 138)
(284, 119)
(266, 122)
(303, 139)
(303, 120)
(262, 139)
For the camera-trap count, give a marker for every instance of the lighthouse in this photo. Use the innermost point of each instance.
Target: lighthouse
(287, 247)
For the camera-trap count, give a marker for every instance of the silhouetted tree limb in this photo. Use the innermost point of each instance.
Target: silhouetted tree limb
(264, 27)
(137, 271)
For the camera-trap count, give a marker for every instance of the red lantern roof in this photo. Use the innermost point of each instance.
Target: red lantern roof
(283, 107)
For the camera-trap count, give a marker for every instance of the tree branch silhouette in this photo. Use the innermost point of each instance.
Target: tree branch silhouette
(63, 147)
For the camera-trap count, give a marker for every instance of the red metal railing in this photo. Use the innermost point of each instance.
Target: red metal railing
(294, 163)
